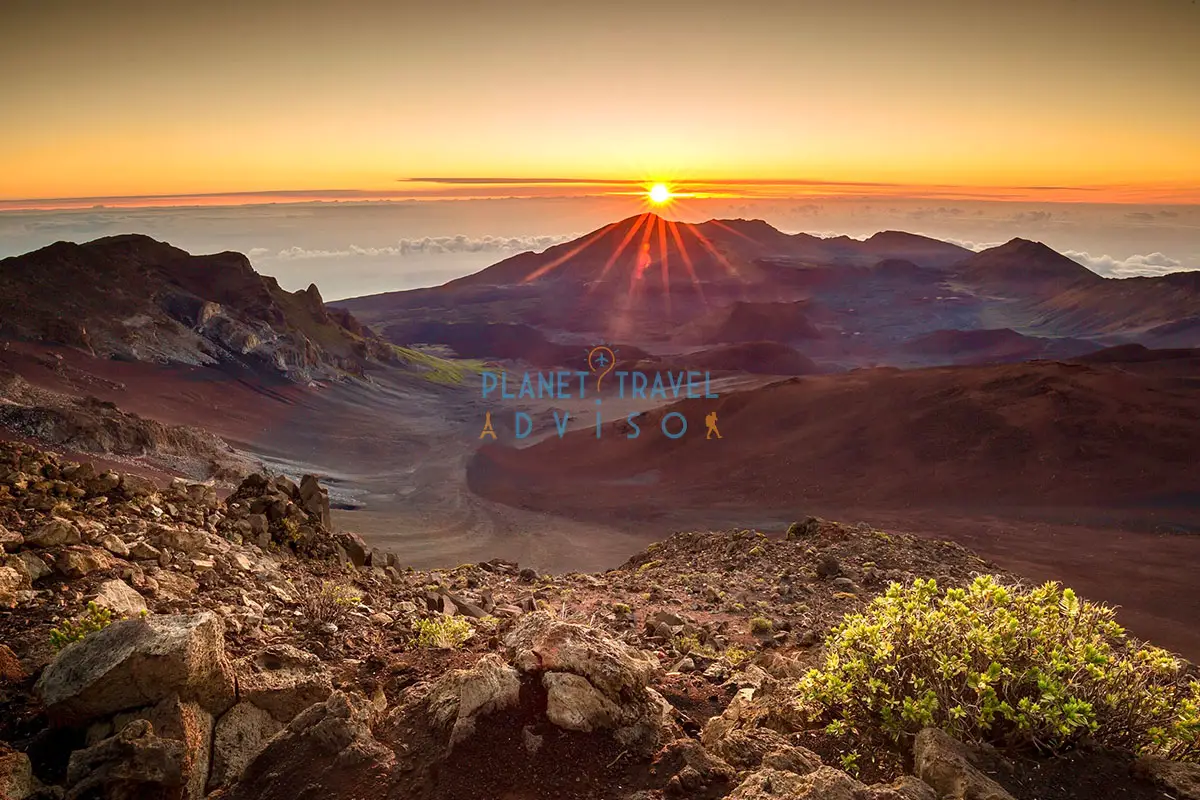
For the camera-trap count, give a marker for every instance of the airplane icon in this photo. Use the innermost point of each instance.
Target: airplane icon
(601, 359)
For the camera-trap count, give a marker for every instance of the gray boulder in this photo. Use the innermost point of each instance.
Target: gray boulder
(461, 697)
(136, 663)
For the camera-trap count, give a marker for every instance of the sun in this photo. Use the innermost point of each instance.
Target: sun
(659, 193)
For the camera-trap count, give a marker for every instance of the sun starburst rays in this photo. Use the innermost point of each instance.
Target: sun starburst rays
(627, 260)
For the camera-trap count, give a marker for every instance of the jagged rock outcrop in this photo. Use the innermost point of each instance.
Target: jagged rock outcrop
(274, 667)
(592, 682)
(328, 751)
(136, 298)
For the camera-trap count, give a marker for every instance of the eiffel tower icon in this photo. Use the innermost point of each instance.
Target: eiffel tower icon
(488, 430)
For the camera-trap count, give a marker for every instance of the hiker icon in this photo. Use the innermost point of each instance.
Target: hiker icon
(711, 422)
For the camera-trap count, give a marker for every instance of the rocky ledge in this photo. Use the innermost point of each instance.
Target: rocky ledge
(163, 642)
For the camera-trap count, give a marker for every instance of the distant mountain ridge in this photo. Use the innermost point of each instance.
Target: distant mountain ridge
(136, 298)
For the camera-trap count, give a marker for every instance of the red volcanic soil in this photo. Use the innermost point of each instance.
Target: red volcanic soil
(995, 345)
(1037, 433)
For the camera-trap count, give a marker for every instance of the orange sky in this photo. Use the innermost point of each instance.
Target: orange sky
(138, 98)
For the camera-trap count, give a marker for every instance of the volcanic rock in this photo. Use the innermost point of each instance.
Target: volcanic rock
(134, 763)
(120, 598)
(328, 751)
(945, 764)
(282, 680)
(138, 662)
(240, 735)
(55, 533)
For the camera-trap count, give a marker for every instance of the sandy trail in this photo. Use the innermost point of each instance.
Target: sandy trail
(394, 455)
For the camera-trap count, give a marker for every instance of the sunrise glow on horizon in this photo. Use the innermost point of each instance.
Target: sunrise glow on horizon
(324, 103)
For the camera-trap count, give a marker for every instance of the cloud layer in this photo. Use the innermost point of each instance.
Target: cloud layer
(425, 246)
(1150, 264)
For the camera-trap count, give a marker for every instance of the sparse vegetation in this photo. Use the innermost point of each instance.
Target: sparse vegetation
(761, 625)
(735, 656)
(95, 618)
(331, 602)
(1015, 667)
(435, 369)
(446, 633)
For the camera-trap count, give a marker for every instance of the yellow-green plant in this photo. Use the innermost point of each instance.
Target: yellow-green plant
(735, 656)
(446, 633)
(1002, 664)
(95, 618)
(761, 625)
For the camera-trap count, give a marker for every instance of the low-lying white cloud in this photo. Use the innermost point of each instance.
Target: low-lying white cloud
(425, 246)
(1149, 264)
(967, 243)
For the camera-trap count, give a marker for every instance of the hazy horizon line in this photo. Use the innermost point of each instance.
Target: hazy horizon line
(444, 188)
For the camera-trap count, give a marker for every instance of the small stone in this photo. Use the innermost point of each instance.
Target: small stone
(845, 585)
(34, 565)
(11, 582)
(203, 564)
(120, 598)
(115, 545)
(16, 776)
(532, 741)
(829, 567)
(11, 670)
(55, 533)
(80, 562)
(144, 551)
(10, 541)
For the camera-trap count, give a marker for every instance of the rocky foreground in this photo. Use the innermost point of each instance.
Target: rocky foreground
(163, 642)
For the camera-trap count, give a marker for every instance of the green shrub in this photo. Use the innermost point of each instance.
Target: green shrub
(96, 618)
(1010, 666)
(447, 633)
(761, 625)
